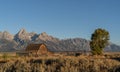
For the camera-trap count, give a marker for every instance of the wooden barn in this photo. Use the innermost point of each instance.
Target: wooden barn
(37, 49)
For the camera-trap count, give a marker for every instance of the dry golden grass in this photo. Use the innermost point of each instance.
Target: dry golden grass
(60, 64)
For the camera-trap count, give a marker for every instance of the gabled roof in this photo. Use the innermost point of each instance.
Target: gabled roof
(31, 47)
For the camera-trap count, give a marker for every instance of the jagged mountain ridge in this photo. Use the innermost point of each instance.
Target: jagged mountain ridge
(19, 41)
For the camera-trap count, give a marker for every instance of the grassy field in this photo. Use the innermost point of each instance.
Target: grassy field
(81, 63)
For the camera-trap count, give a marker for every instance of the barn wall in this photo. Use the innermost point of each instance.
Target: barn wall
(42, 50)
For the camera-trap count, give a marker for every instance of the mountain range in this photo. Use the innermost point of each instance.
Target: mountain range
(19, 41)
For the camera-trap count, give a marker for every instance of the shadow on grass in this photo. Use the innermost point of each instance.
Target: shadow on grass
(116, 69)
(36, 61)
(3, 61)
(116, 58)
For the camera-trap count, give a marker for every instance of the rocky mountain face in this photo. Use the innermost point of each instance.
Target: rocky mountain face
(9, 42)
(6, 35)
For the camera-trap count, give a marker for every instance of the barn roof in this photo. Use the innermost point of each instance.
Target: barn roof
(31, 47)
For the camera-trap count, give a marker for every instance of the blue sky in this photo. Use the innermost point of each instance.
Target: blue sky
(61, 18)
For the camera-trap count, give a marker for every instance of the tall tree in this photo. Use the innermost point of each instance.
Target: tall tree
(99, 40)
